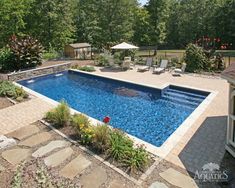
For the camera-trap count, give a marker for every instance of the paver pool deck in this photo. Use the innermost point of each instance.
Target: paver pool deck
(202, 143)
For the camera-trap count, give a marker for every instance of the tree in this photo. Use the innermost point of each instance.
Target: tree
(224, 22)
(159, 13)
(105, 22)
(141, 27)
(12, 14)
(51, 22)
(190, 20)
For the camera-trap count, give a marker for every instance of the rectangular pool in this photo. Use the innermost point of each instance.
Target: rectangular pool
(147, 113)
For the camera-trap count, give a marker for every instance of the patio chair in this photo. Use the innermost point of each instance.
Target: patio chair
(178, 72)
(149, 63)
(162, 67)
(126, 65)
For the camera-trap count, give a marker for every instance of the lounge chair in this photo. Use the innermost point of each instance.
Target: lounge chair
(178, 72)
(149, 63)
(162, 67)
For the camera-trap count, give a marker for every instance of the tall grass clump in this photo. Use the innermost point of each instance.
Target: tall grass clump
(101, 138)
(60, 115)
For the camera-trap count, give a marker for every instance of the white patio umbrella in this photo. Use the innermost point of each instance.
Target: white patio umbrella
(124, 46)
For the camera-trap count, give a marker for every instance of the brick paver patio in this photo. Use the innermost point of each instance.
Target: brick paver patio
(23, 114)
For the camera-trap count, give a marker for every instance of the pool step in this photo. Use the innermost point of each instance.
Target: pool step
(179, 101)
(181, 96)
(176, 91)
(184, 98)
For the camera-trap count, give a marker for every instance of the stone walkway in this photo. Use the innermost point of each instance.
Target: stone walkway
(57, 153)
(20, 115)
(35, 142)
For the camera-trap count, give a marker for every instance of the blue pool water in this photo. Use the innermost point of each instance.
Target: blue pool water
(147, 113)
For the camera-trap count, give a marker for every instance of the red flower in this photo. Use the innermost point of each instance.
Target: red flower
(106, 119)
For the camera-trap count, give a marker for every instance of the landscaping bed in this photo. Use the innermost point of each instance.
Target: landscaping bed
(71, 133)
(112, 145)
(4, 103)
(13, 92)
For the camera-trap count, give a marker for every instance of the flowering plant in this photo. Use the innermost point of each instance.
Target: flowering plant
(87, 133)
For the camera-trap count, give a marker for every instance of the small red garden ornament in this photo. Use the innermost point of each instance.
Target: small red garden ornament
(106, 120)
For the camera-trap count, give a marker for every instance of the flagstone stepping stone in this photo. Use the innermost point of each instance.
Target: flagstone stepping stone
(75, 167)
(36, 139)
(95, 179)
(50, 147)
(24, 132)
(58, 157)
(177, 179)
(1, 168)
(116, 184)
(158, 185)
(6, 142)
(15, 156)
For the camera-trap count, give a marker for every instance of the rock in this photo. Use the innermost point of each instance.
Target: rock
(24, 132)
(177, 179)
(95, 179)
(116, 184)
(6, 142)
(2, 138)
(15, 156)
(158, 185)
(75, 167)
(58, 157)
(36, 139)
(1, 168)
(50, 147)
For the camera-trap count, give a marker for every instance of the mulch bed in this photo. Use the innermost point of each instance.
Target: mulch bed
(71, 133)
(4, 103)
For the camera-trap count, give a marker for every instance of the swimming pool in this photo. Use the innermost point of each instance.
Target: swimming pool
(147, 113)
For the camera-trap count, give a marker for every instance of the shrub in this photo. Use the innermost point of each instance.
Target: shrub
(101, 138)
(50, 55)
(60, 115)
(136, 159)
(27, 52)
(196, 59)
(102, 60)
(83, 127)
(79, 119)
(84, 68)
(117, 58)
(7, 60)
(120, 144)
(175, 61)
(8, 89)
